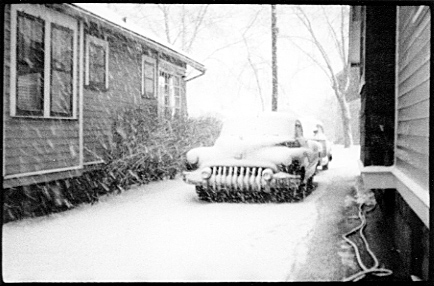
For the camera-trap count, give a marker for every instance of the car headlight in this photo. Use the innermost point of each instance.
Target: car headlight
(192, 157)
(267, 174)
(192, 161)
(191, 167)
(206, 173)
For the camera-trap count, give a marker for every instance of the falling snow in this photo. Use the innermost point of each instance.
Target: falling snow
(162, 232)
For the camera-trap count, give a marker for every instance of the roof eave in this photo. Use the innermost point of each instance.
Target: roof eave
(193, 63)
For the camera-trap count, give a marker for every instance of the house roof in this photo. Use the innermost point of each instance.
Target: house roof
(107, 15)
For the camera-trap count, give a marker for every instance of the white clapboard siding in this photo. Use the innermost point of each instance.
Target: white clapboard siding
(413, 90)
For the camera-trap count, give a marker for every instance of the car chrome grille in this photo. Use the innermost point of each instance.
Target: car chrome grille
(234, 177)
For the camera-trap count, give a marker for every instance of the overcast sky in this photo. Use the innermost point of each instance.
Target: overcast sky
(229, 84)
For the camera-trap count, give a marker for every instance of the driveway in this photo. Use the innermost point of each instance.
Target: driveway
(162, 232)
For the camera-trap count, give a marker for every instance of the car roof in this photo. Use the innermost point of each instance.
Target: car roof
(265, 114)
(310, 124)
(263, 123)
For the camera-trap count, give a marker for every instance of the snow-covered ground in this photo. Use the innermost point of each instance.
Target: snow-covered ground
(162, 232)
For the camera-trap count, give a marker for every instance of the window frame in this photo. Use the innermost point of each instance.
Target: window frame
(171, 87)
(56, 113)
(176, 73)
(151, 61)
(177, 87)
(49, 17)
(164, 84)
(105, 45)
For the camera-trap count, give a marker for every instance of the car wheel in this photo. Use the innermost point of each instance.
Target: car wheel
(309, 181)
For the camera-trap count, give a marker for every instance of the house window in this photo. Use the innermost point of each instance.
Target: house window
(43, 61)
(97, 56)
(148, 77)
(171, 92)
(298, 130)
(177, 95)
(166, 90)
(61, 70)
(30, 65)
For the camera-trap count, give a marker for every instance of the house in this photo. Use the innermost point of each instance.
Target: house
(68, 68)
(391, 46)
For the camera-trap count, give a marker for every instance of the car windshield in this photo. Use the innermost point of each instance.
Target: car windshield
(311, 128)
(262, 125)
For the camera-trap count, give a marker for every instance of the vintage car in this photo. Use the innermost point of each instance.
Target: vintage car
(314, 130)
(256, 158)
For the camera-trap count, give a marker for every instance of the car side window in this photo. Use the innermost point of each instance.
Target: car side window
(298, 130)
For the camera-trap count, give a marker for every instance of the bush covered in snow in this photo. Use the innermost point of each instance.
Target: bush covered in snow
(142, 148)
(145, 148)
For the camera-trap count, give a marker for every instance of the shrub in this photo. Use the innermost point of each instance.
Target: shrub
(145, 149)
(142, 148)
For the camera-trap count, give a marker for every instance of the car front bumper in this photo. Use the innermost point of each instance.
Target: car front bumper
(242, 178)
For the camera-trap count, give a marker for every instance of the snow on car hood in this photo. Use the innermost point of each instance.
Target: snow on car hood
(248, 151)
(250, 142)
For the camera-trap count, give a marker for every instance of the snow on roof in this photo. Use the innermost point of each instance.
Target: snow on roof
(102, 11)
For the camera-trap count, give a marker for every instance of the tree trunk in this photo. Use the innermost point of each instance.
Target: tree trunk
(346, 121)
(274, 57)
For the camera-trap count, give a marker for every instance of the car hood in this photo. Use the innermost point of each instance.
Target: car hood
(251, 142)
(251, 150)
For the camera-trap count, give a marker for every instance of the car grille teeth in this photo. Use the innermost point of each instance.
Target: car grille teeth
(247, 178)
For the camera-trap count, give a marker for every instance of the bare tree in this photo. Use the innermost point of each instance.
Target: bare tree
(340, 79)
(182, 26)
(179, 23)
(250, 61)
(187, 27)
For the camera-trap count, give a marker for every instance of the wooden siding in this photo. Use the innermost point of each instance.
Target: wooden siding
(100, 107)
(41, 144)
(6, 76)
(34, 144)
(125, 75)
(413, 75)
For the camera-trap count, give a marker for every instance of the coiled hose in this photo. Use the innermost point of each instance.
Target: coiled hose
(365, 270)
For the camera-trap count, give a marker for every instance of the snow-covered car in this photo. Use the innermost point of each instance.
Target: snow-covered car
(314, 130)
(256, 158)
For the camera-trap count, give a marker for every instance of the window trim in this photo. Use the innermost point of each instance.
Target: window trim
(149, 60)
(104, 44)
(49, 17)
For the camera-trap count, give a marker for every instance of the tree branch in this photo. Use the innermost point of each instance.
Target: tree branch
(335, 37)
(198, 22)
(165, 9)
(255, 71)
(305, 20)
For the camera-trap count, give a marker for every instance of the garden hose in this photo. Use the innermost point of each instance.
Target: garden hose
(365, 270)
